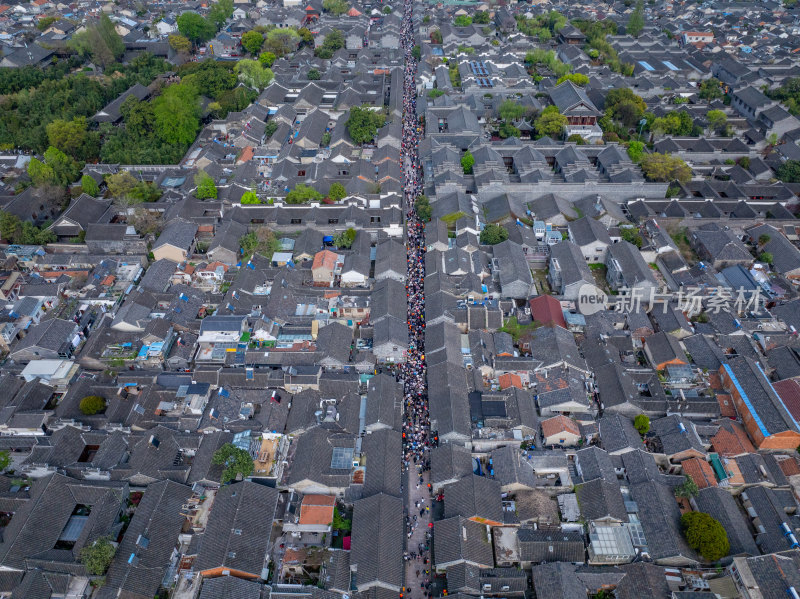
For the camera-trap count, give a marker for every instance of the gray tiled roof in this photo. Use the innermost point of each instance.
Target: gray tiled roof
(458, 539)
(450, 461)
(550, 545)
(178, 233)
(473, 496)
(237, 535)
(37, 526)
(617, 433)
(601, 499)
(721, 505)
(151, 536)
(377, 541)
(230, 587)
(383, 450)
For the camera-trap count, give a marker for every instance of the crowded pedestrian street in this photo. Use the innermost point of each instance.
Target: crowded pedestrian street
(416, 422)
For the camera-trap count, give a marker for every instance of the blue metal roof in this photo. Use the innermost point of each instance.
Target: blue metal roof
(746, 400)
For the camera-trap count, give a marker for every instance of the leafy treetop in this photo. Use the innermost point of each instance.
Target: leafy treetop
(493, 234)
(237, 462)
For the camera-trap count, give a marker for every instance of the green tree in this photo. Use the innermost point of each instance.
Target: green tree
(5, 460)
(9, 224)
(97, 557)
(642, 424)
(416, 53)
(40, 173)
(220, 12)
(73, 138)
(92, 404)
(706, 535)
(467, 162)
(462, 21)
(436, 36)
(89, 186)
(270, 128)
(363, 124)
(206, 188)
(576, 78)
(302, 194)
(57, 169)
(387, 10)
(508, 130)
(763, 239)
(718, 121)
(250, 197)
(345, 239)
(99, 41)
(666, 168)
(333, 41)
(176, 114)
(253, 74)
(45, 22)
(635, 150)
(252, 41)
(423, 208)
(306, 37)
(195, 28)
(481, 18)
(335, 7)
(766, 257)
(511, 111)
(121, 184)
(181, 44)
(789, 171)
(267, 59)
(688, 488)
(261, 241)
(493, 234)
(340, 523)
(282, 41)
(624, 106)
(674, 123)
(337, 192)
(313, 75)
(711, 89)
(237, 462)
(636, 20)
(550, 123)
(631, 235)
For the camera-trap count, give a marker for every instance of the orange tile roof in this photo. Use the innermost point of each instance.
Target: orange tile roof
(715, 381)
(317, 509)
(731, 440)
(247, 154)
(4, 8)
(325, 259)
(189, 269)
(789, 466)
(700, 472)
(550, 383)
(510, 380)
(559, 424)
(108, 281)
(547, 310)
(726, 407)
(212, 266)
(789, 392)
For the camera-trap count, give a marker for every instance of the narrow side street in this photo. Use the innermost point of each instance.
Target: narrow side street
(416, 423)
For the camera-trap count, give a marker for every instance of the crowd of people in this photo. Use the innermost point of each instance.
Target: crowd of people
(416, 422)
(416, 426)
